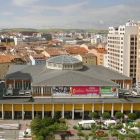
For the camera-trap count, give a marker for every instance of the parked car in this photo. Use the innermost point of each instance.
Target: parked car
(68, 134)
(86, 123)
(107, 123)
(27, 133)
(21, 92)
(113, 118)
(100, 132)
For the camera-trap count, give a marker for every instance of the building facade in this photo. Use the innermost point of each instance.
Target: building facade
(122, 49)
(67, 86)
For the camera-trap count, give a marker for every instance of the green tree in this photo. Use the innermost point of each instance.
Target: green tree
(132, 116)
(36, 125)
(80, 134)
(119, 115)
(105, 115)
(93, 115)
(86, 137)
(121, 137)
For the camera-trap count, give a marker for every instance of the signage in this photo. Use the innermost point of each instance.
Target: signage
(109, 91)
(64, 90)
(94, 91)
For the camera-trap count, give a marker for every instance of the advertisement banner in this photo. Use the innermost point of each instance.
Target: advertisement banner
(71, 91)
(94, 91)
(109, 91)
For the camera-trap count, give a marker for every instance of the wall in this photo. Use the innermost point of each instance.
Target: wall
(4, 67)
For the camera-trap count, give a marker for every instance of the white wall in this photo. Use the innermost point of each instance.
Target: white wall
(32, 60)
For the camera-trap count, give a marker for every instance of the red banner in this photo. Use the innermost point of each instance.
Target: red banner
(84, 91)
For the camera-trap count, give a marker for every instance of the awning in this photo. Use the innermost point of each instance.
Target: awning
(78, 110)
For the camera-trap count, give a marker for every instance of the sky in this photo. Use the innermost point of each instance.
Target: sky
(68, 14)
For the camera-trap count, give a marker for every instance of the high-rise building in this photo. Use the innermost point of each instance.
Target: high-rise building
(138, 56)
(122, 49)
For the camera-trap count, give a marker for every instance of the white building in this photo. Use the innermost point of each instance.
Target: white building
(122, 49)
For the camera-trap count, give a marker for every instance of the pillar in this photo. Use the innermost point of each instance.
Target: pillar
(102, 108)
(92, 107)
(112, 111)
(12, 112)
(123, 84)
(14, 84)
(22, 84)
(63, 111)
(82, 111)
(42, 111)
(23, 113)
(32, 111)
(73, 111)
(52, 110)
(122, 108)
(131, 107)
(42, 91)
(2, 113)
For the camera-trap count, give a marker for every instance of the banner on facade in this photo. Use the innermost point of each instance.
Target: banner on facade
(109, 91)
(94, 91)
(64, 90)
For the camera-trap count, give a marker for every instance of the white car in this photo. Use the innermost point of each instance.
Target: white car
(22, 92)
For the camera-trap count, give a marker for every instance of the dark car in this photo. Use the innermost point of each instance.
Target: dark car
(113, 118)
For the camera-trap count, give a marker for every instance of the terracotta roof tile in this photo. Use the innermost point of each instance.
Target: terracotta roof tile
(77, 50)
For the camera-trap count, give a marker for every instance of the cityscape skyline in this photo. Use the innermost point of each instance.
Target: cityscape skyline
(74, 14)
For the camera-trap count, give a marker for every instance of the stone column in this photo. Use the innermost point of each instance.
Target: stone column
(102, 108)
(73, 111)
(12, 112)
(23, 113)
(42, 111)
(123, 84)
(112, 111)
(14, 84)
(42, 91)
(22, 84)
(92, 107)
(2, 113)
(82, 111)
(131, 107)
(63, 116)
(32, 111)
(52, 110)
(122, 108)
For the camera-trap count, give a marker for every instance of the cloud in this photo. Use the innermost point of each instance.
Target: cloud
(7, 13)
(23, 3)
(73, 15)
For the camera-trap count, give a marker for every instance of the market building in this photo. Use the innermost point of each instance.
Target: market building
(64, 85)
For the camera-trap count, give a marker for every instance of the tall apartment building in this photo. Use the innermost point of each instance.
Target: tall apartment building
(138, 58)
(122, 49)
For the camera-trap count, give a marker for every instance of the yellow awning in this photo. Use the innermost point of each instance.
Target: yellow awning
(47, 107)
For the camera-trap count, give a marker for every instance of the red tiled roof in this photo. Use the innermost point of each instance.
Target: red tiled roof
(77, 50)
(101, 50)
(5, 59)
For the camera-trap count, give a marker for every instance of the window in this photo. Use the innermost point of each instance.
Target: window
(46, 90)
(36, 90)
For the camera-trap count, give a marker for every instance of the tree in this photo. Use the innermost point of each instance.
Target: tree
(80, 134)
(36, 125)
(132, 116)
(119, 115)
(105, 115)
(86, 137)
(93, 115)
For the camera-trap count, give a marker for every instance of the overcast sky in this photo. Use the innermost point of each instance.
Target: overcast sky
(67, 14)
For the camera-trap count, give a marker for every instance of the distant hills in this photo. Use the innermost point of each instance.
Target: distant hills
(55, 30)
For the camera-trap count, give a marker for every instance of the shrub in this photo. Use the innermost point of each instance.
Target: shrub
(74, 127)
(105, 115)
(62, 120)
(119, 115)
(132, 116)
(93, 115)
